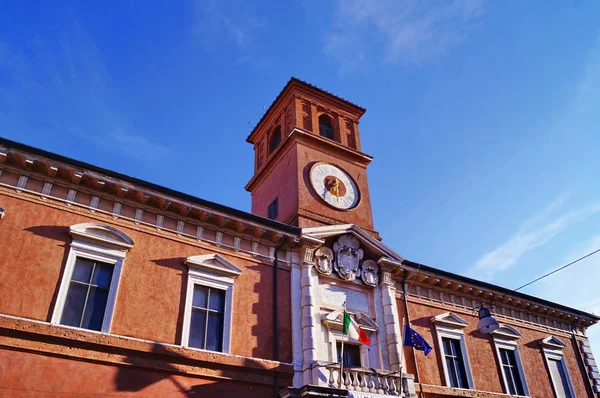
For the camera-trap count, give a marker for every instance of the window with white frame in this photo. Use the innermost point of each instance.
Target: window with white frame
(209, 303)
(557, 367)
(355, 354)
(88, 290)
(505, 343)
(455, 359)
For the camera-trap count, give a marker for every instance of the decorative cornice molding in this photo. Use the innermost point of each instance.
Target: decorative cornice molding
(107, 217)
(442, 283)
(94, 183)
(43, 337)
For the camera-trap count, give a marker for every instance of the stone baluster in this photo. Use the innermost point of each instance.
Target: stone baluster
(331, 379)
(363, 381)
(371, 383)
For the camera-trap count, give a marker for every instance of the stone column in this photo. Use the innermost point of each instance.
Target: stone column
(391, 319)
(309, 312)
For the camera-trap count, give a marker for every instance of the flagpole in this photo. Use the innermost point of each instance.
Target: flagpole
(342, 350)
(403, 335)
(418, 377)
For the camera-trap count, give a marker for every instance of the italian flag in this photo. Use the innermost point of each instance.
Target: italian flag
(354, 331)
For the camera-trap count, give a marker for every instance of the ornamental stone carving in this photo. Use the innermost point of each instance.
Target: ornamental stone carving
(347, 257)
(369, 271)
(324, 260)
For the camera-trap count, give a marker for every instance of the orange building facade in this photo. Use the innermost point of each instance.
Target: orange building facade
(113, 286)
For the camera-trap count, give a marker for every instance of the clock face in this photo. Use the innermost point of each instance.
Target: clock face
(334, 186)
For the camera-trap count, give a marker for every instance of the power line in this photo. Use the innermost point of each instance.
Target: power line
(558, 269)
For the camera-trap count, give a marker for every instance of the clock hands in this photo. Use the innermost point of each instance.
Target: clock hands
(335, 187)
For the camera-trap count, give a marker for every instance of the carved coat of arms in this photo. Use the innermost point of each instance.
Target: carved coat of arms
(347, 257)
(369, 271)
(324, 260)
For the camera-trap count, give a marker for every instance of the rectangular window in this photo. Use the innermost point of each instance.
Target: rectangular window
(455, 364)
(273, 210)
(207, 318)
(351, 355)
(511, 372)
(87, 296)
(559, 378)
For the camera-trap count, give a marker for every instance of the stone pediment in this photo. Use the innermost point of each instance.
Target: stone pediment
(507, 332)
(335, 320)
(214, 264)
(553, 343)
(449, 319)
(102, 234)
(352, 253)
(368, 242)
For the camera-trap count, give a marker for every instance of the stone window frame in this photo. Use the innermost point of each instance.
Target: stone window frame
(95, 242)
(335, 334)
(553, 350)
(450, 325)
(505, 337)
(212, 271)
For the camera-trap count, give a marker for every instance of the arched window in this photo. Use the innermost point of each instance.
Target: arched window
(326, 127)
(275, 139)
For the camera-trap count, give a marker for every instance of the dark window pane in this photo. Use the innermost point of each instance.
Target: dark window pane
(94, 309)
(351, 355)
(200, 296)
(275, 139)
(511, 372)
(457, 372)
(509, 380)
(74, 302)
(102, 275)
(197, 328)
(82, 270)
(214, 334)
(447, 346)
(452, 372)
(217, 300)
(456, 348)
(325, 127)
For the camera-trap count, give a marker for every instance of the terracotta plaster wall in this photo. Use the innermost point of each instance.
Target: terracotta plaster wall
(280, 182)
(150, 302)
(360, 215)
(481, 351)
(31, 375)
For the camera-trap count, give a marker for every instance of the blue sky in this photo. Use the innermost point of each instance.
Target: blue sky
(483, 117)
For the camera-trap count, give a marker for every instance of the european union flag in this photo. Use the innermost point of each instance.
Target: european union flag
(414, 339)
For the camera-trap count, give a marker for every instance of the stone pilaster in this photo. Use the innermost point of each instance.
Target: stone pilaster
(308, 290)
(391, 319)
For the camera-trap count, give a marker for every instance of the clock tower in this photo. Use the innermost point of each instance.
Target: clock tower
(309, 169)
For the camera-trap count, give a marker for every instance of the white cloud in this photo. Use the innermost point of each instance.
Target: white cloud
(410, 31)
(534, 232)
(233, 19)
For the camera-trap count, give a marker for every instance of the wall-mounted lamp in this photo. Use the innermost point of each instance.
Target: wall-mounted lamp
(487, 323)
(2, 212)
